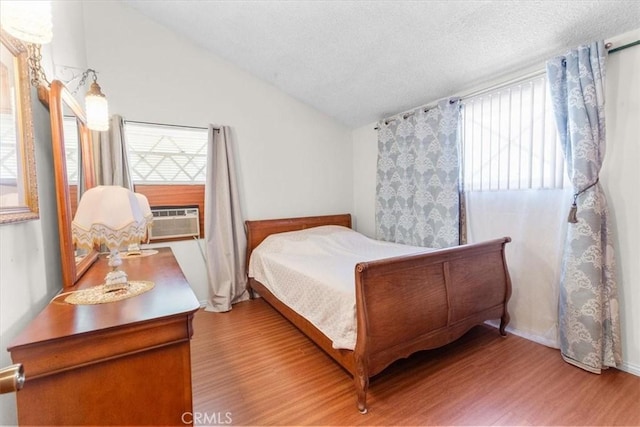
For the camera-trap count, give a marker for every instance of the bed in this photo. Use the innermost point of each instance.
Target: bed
(402, 304)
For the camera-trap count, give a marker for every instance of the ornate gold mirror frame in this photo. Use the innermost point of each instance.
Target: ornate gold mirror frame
(62, 103)
(18, 185)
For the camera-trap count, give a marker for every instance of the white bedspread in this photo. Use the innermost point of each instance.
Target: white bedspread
(313, 272)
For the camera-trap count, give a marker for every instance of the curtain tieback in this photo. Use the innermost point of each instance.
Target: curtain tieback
(574, 207)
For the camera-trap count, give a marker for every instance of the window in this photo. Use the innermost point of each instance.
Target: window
(71, 144)
(8, 151)
(510, 141)
(166, 154)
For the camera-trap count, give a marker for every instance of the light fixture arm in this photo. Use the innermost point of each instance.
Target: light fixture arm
(83, 80)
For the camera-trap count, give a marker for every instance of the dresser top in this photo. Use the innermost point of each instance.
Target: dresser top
(171, 296)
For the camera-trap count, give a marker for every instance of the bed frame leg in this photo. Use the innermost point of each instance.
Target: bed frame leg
(504, 321)
(362, 384)
(252, 293)
(361, 379)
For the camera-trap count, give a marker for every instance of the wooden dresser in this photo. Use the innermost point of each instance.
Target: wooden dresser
(121, 363)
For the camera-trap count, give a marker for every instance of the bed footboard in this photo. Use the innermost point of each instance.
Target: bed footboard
(404, 304)
(425, 301)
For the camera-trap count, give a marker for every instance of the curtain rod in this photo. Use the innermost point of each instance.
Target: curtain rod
(165, 124)
(528, 76)
(505, 84)
(623, 47)
(463, 96)
(407, 114)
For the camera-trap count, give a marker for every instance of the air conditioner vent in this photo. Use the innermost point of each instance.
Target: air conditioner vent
(174, 222)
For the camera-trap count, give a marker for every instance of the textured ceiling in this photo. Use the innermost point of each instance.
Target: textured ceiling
(360, 61)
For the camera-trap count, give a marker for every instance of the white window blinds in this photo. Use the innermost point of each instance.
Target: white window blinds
(166, 154)
(510, 140)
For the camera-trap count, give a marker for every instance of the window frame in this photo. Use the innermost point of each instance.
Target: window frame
(171, 193)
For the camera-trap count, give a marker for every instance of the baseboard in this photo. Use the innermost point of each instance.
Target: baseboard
(531, 337)
(535, 338)
(630, 368)
(625, 366)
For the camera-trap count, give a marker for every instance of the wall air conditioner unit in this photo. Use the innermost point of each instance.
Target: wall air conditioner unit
(175, 222)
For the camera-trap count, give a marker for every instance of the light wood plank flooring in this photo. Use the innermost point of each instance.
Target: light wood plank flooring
(252, 367)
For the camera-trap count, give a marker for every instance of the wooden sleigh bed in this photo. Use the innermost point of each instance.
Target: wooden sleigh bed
(403, 304)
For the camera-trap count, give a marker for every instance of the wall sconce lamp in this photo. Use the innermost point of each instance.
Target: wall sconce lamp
(29, 21)
(96, 106)
(113, 216)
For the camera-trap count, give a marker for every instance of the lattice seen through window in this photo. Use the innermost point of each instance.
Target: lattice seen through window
(166, 154)
(8, 150)
(71, 150)
(510, 141)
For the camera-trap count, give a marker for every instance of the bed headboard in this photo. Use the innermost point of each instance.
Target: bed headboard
(257, 231)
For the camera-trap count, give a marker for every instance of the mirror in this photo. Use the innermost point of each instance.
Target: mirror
(69, 133)
(18, 186)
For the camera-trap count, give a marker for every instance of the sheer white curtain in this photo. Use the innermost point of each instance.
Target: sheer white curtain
(536, 222)
(224, 231)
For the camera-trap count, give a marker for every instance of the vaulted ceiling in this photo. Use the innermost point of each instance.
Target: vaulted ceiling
(360, 61)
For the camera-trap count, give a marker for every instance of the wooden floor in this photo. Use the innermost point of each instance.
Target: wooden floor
(252, 367)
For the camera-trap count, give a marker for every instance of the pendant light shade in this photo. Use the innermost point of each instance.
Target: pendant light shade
(27, 20)
(97, 108)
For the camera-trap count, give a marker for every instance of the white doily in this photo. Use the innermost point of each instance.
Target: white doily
(97, 294)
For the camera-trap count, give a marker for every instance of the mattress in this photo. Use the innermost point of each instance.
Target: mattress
(312, 271)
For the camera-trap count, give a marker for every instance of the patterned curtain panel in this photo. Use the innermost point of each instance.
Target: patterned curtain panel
(588, 309)
(417, 192)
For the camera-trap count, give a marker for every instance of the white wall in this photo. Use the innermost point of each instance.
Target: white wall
(620, 177)
(365, 159)
(292, 160)
(30, 272)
